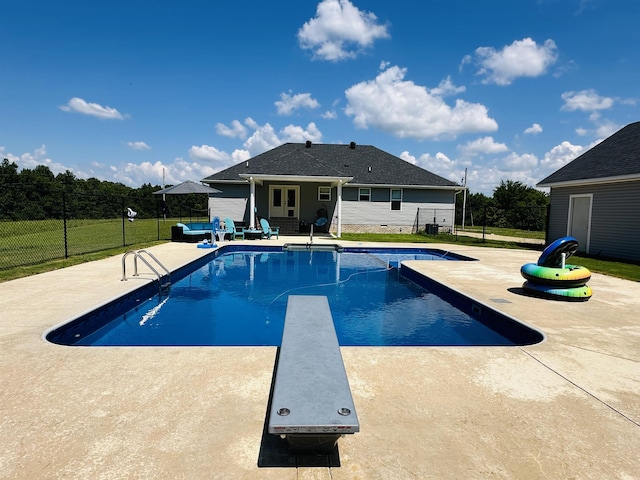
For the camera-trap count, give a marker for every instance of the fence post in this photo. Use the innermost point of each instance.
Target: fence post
(124, 244)
(64, 224)
(484, 224)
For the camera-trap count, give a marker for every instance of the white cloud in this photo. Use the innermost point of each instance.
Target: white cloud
(483, 145)
(330, 115)
(533, 129)
(406, 110)
(174, 173)
(515, 162)
(39, 157)
(523, 58)
(237, 130)
(606, 129)
(406, 156)
(209, 154)
(240, 155)
(483, 176)
(288, 103)
(293, 133)
(340, 31)
(586, 101)
(559, 156)
(446, 88)
(439, 162)
(263, 138)
(78, 105)
(138, 146)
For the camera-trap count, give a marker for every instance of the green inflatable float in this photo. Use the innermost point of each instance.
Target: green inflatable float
(553, 278)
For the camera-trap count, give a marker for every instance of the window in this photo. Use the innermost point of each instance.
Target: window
(277, 197)
(324, 194)
(364, 194)
(396, 199)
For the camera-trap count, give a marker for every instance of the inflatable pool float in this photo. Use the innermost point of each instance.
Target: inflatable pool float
(574, 294)
(569, 276)
(552, 278)
(552, 255)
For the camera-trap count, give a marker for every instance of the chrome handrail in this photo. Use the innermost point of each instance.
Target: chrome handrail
(138, 254)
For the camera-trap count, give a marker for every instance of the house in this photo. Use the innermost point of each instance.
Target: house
(358, 188)
(596, 198)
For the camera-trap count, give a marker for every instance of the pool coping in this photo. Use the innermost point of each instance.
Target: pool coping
(569, 406)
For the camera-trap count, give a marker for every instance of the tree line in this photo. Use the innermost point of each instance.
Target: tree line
(513, 205)
(38, 194)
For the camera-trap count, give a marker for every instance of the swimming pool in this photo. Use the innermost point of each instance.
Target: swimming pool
(237, 297)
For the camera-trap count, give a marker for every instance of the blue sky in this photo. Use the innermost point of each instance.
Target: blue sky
(122, 91)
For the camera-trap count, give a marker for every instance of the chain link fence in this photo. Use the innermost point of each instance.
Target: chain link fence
(67, 224)
(433, 221)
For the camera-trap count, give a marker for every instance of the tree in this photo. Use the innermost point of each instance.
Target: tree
(520, 206)
(10, 195)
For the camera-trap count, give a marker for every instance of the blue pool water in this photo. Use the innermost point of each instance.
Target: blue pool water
(239, 298)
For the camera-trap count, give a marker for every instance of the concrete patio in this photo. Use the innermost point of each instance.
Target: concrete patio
(568, 407)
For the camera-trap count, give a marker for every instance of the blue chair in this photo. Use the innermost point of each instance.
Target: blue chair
(231, 229)
(267, 230)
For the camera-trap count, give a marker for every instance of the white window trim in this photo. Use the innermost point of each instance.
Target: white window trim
(328, 191)
(360, 194)
(391, 199)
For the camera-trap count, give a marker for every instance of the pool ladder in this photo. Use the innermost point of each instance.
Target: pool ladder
(164, 280)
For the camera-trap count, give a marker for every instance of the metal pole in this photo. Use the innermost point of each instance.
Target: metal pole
(164, 202)
(123, 215)
(464, 199)
(64, 224)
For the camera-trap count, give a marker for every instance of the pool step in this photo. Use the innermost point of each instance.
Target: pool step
(330, 247)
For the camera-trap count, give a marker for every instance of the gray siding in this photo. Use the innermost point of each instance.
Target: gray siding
(233, 202)
(234, 208)
(615, 218)
(378, 210)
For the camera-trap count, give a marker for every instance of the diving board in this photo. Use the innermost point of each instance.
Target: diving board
(311, 405)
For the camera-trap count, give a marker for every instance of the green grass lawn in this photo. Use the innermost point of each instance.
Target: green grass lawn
(33, 242)
(508, 232)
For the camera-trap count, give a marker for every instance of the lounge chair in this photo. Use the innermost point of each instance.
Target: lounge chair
(267, 230)
(231, 229)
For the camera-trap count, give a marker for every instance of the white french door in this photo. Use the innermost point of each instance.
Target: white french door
(284, 200)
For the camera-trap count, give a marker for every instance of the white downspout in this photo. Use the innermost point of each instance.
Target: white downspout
(339, 233)
(252, 203)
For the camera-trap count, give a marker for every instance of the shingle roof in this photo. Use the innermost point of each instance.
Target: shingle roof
(616, 156)
(367, 165)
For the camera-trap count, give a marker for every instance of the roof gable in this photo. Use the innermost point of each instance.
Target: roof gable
(367, 165)
(615, 157)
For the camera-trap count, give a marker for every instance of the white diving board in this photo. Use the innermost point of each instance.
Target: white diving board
(311, 406)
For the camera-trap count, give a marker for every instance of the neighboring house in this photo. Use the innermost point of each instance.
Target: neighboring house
(596, 198)
(361, 188)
